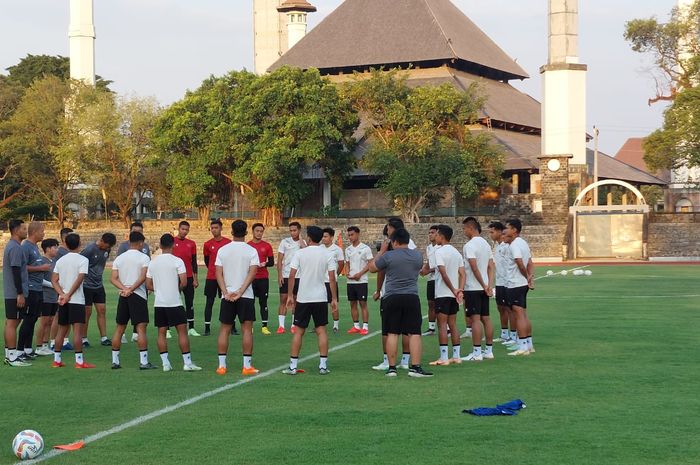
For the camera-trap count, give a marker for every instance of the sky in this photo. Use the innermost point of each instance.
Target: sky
(162, 48)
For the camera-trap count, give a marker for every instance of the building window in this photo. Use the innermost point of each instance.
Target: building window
(684, 206)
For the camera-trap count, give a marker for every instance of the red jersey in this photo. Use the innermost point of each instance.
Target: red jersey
(264, 252)
(211, 249)
(186, 250)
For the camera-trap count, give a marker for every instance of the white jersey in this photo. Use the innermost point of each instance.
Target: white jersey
(480, 250)
(335, 253)
(68, 268)
(430, 253)
(517, 249)
(452, 260)
(165, 271)
(235, 259)
(501, 260)
(313, 263)
(357, 259)
(289, 247)
(130, 264)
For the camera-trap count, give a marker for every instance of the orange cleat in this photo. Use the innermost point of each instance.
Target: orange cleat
(57, 365)
(440, 362)
(293, 330)
(250, 371)
(221, 371)
(281, 330)
(354, 330)
(84, 365)
(364, 332)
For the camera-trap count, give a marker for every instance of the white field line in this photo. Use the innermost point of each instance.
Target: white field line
(205, 395)
(615, 297)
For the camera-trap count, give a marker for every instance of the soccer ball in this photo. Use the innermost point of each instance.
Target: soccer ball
(578, 272)
(589, 272)
(564, 272)
(28, 444)
(550, 272)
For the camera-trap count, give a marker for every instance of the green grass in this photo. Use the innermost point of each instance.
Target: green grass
(615, 381)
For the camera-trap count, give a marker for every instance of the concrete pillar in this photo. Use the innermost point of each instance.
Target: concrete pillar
(326, 193)
(81, 34)
(269, 33)
(554, 170)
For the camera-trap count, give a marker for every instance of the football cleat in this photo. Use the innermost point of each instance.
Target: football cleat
(364, 332)
(191, 367)
(281, 330)
(381, 367)
(519, 353)
(473, 358)
(354, 330)
(147, 366)
(440, 362)
(265, 331)
(84, 366)
(56, 364)
(250, 371)
(193, 332)
(221, 371)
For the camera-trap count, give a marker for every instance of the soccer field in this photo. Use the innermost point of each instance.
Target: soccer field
(615, 380)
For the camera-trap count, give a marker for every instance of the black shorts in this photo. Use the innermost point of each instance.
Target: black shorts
(134, 308)
(243, 308)
(501, 295)
(94, 296)
(165, 317)
(329, 296)
(476, 303)
(517, 296)
(49, 309)
(211, 288)
(261, 287)
(446, 306)
(284, 288)
(305, 311)
(357, 292)
(430, 290)
(11, 310)
(71, 314)
(35, 301)
(401, 314)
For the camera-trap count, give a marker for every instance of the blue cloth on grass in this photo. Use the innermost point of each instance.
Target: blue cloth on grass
(509, 409)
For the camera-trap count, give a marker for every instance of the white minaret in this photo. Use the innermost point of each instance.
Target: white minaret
(270, 33)
(564, 86)
(296, 11)
(81, 33)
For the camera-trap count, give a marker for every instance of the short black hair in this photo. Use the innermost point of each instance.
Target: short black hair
(330, 231)
(72, 241)
(395, 222)
(46, 244)
(184, 223)
(385, 231)
(258, 225)
(445, 231)
(14, 224)
(216, 221)
(354, 229)
(295, 223)
(136, 224)
(515, 224)
(64, 232)
(315, 233)
(166, 241)
(497, 225)
(470, 220)
(434, 227)
(135, 237)
(401, 236)
(109, 239)
(239, 228)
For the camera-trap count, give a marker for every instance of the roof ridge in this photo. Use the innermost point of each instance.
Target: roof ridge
(632, 166)
(448, 41)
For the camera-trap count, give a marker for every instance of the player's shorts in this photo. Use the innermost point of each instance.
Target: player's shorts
(284, 288)
(476, 303)
(243, 308)
(501, 297)
(134, 308)
(446, 305)
(401, 314)
(305, 311)
(94, 296)
(35, 301)
(357, 292)
(71, 314)
(517, 296)
(211, 288)
(165, 317)
(49, 309)
(11, 310)
(329, 296)
(430, 290)
(261, 287)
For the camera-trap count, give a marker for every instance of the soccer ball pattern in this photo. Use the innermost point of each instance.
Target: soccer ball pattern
(28, 444)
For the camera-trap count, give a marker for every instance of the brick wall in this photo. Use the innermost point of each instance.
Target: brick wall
(674, 235)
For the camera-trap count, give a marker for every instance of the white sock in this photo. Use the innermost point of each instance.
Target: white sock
(28, 350)
(488, 349)
(7, 353)
(143, 356)
(85, 340)
(12, 354)
(513, 335)
(431, 325)
(115, 357)
(79, 358)
(281, 319)
(365, 326)
(187, 358)
(103, 338)
(247, 361)
(56, 357)
(164, 358)
(323, 362)
(477, 350)
(529, 342)
(443, 352)
(293, 363)
(222, 361)
(336, 324)
(522, 344)
(66, 341)
(456, 351)
(356, 324)
(52, 342)
(405, 359)
(504, 334)
(386, 360)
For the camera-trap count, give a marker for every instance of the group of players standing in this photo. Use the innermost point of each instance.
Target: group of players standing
(66, 283)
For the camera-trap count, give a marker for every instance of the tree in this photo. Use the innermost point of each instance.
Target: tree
(34, 67)
(419, 140)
